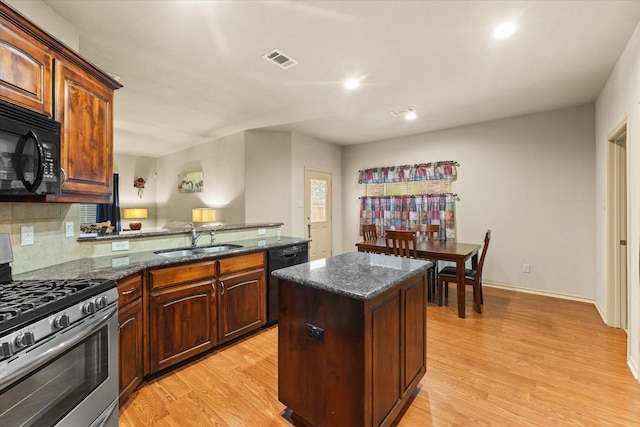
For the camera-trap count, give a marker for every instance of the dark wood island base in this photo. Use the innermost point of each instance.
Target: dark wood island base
(351, 358)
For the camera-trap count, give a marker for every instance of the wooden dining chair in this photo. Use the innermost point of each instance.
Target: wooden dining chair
(433, 232)
(405, 244)
(472, 277)
(401, 243)
(369, 232)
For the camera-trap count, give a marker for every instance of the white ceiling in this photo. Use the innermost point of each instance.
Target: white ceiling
(193, 70)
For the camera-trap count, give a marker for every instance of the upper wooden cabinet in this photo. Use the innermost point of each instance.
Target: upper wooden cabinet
(84, 108)
(26, 67)
(40, 73)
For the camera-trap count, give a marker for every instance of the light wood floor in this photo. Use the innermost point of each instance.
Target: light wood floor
(526, 361)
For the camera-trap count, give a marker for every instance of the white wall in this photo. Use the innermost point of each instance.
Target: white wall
(222, 164)
(268, 178)
(619, 99)
(529, 179)
(43, 16)
(130, 168)
(317, 154)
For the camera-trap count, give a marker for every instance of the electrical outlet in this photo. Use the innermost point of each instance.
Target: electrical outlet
(122, 245)
(27, 237)
(526, 268)
(315, 332)
(262, 231)
(68, 229)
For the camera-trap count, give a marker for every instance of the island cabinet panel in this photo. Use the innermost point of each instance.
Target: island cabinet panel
(350, 362)
(321, 379)
(84, 108)
(130, 334)
(26, 67)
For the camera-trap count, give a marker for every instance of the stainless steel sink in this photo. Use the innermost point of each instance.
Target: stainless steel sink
(182, 252)
(216, 248)
(176, 253)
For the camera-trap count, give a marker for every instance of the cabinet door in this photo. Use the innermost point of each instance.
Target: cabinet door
(182, 323)
(25, 70)
(242, 304)
(84, 108)
(130, 347)
(415, 333)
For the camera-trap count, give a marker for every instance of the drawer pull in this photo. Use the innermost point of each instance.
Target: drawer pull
(129, 292)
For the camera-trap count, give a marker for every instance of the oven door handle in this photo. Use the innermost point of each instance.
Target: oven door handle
(52, 348)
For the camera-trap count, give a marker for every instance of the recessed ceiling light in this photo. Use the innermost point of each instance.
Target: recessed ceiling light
(351, 84)
(410, 116)
(504, 30)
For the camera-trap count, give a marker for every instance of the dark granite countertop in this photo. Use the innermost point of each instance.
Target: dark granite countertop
(160, 233)
(120, 265)
(358, 275)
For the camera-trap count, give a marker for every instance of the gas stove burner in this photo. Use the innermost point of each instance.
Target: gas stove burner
(25, 301)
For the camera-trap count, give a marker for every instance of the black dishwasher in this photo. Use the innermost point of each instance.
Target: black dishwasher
(281, 258)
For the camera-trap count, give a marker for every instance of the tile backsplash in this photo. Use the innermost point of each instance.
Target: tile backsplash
(50, 246)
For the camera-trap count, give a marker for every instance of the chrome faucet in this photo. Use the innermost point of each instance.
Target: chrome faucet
(195, 236)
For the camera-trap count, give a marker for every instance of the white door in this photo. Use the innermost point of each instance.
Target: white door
(317, 212)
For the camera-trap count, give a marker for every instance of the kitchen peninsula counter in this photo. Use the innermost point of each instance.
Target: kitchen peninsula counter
(351, 338)
(123, 264)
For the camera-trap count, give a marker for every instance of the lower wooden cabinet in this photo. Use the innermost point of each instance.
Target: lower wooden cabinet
(241, 305)
(242, 298)
(130, 334)
(182, 313)
(186, 309)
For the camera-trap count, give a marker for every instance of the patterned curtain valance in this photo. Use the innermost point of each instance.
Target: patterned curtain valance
(405, 212)
(424, 171)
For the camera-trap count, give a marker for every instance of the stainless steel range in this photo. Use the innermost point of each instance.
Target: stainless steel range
(58, 351)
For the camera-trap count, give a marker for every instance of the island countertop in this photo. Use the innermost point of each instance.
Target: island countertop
(357, 275)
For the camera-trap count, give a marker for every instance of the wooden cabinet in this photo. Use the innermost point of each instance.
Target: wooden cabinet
(182, 313)
(26, 68)
(84, 108)
(130, 334)
(39, 72)
(357, 360)
(242, 296)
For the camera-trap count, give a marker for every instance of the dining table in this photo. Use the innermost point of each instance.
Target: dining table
(437, 250)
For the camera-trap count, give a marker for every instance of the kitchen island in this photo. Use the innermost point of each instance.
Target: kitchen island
(351, 338)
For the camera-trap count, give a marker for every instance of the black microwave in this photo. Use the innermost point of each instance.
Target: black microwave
(29, 152)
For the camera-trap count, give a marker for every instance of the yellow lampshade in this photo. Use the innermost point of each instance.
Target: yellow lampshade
(135, 213)
(203, 215)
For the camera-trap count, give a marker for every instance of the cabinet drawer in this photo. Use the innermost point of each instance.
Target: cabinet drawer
(169, 276)
(243, 262)
(129, 289)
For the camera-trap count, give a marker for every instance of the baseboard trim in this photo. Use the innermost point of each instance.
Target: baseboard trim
(539, 292)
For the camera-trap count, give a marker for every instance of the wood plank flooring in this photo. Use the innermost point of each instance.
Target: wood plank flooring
(528, 360)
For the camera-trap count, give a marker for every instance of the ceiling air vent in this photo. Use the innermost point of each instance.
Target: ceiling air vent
(403, 111)
(280, 59)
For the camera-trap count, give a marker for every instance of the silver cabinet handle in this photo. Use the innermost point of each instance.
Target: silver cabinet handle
(129, 292)
(221, 287)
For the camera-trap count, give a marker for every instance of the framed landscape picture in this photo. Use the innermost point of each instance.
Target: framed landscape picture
(191, 182)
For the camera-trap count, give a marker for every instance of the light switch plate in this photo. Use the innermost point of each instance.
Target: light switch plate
(68, 230)
(26, 232)
(262, 231)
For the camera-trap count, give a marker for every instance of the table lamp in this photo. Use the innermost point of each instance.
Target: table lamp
(135, 213)
(203, 215)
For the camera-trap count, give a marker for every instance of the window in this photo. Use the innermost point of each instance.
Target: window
(87, 213)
